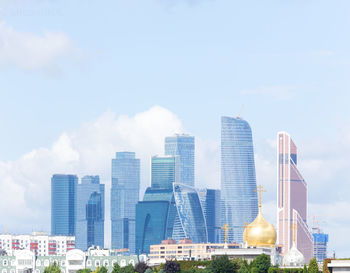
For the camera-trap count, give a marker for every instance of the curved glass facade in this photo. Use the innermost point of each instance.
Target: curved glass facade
(238, 182)
(190, 222)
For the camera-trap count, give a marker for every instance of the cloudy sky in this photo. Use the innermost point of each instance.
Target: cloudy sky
(80, 80)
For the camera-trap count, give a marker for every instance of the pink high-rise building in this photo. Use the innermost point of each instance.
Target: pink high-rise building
(292, 200)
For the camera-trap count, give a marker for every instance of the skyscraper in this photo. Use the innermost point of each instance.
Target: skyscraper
(320, 245)
(292, 199)
(63, 204)
(90, 213)
(124, 197)
(211, 204)
(240, 203)
(182, 146)
(189, 221)
(165, 171)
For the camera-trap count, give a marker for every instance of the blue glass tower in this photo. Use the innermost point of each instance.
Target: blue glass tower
(189, 221)
(165, 171)
(240, 203)
(320, 245)
(182, 146)
(124, 197)
(63, 204)
(155, 217)
(211, 204)
(90, 213)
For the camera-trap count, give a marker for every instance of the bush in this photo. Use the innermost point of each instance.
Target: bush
(262, 263)
(313, 266)
(171, 267)
(127, 269)
(221, 264)
(141, 267)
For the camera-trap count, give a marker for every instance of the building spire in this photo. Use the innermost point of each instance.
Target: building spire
(260, 190)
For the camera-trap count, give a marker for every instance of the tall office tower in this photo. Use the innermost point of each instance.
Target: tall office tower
(124, 197)
(183, 146)
(189, 221)
(165, 171)
(292, 199)
(320, 245)
(90, 213)
(211, 204)
(63, 204)
(238, 184)
(155, 217)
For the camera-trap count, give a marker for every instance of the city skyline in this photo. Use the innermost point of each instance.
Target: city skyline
(81, 80)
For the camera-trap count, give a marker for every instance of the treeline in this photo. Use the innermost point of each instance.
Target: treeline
(222, 264)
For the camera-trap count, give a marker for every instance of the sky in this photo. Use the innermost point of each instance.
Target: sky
(81, 80)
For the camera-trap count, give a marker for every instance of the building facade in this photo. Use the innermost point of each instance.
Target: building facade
(211, 204)
(183, 250)
(184, 147)
(165, 170)
(124, 197)
(320, 245)
(63, 204)
(189, 221)
(22, 261)
(292, 200)
(90, 213)
(38, 242)
(238, 182)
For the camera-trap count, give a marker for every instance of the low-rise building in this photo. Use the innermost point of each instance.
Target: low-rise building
(184, 250)
(342, 266)
(22, 261)
(37, 242)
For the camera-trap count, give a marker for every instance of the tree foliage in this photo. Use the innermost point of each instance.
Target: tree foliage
(141, 267)
(54, 268)
(127, 269)
(244, 268)
(171, 267)
(116, 268)
(262, 263)
(85, 270)
(313, 266)
(221, 265)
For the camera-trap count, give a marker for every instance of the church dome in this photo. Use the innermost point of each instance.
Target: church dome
(260, 232)
(294, 258)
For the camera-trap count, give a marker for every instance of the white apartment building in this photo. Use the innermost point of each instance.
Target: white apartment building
(38, 242)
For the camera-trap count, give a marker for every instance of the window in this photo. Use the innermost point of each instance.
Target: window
(12, 271)
(63, 263)
(4, 271)
(105, 263)
(122, 263)
(46, 263)
(38, 263)
(37, 271)
(88, 263)
(132, 262)
(97, 263)
(5, 263)
(114, 262)
(13, 262)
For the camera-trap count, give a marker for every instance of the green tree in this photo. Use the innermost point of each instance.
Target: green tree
(54, 268)
(127, 269)
(141, 267)
(149, 270)
(85, 270)
(273, 269)
(116, 268)
(313, 266)
(254, 270)
(102, 269)
(171, 267)
(262, 263)
(244, 268)
(221, 264)
(305, 269)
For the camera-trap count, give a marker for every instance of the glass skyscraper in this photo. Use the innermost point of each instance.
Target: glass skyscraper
(63, 204)
(292, 199)
(211, 204)
(165, 171)
(90, 213)
(190, 221)
(182, 146)
(124, 197)
(155, 217)
(238, 182)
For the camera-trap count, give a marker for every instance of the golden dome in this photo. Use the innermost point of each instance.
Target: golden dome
(260, 232)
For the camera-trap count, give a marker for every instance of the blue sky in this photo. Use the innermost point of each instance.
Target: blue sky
(281, 65)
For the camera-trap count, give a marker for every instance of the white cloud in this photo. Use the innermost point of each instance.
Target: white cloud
(30, 51)
(278, 92)
(25, 198)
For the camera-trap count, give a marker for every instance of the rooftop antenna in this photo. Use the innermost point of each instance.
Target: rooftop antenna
(240, 111)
